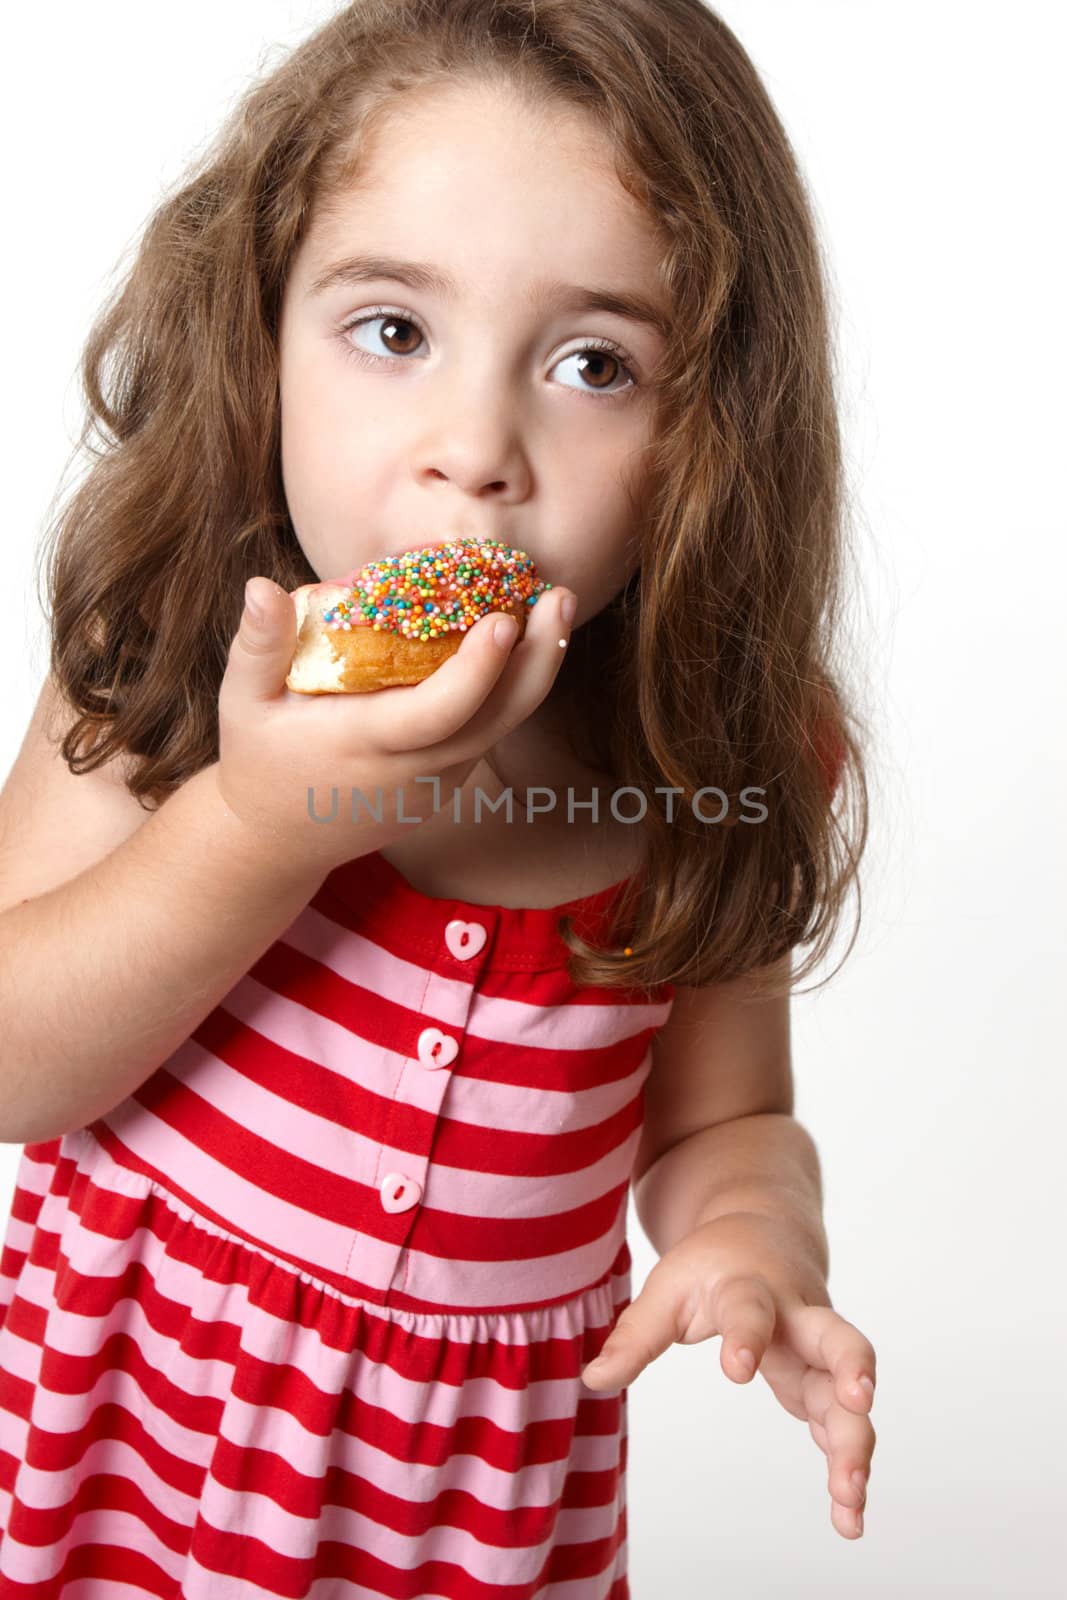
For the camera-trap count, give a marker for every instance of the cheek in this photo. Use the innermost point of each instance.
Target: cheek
(325, 485)
(309, 419)
(609, 484)
(323, 451)
(335, 443)
(591, 555)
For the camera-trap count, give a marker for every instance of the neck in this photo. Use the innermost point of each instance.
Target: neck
(538, 754)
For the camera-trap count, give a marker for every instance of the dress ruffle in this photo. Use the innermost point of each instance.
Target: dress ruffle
(188, 1416)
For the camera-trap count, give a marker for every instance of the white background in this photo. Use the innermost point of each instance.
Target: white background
(930, 1070)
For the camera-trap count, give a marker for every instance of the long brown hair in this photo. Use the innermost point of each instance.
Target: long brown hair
(717, 666)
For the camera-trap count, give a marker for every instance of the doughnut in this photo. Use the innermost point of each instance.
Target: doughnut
(392, 622)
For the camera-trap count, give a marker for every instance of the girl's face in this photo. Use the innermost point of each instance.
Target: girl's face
(469, 402)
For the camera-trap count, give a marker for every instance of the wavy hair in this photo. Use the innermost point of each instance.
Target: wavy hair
(716, 668)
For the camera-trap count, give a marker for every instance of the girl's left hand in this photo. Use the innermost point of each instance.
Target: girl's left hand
(749, 1278)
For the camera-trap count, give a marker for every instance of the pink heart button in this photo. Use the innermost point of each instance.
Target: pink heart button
(398, 1192)
(437, 1049)
(464, 939)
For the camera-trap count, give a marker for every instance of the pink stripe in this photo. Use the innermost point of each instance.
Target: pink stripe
(337, 1149)
(238, 1362)
(276, 1433)
(314, 1239)
(368, 965)
(566, 1027)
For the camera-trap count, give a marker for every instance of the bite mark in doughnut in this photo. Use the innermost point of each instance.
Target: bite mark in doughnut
(393, 622)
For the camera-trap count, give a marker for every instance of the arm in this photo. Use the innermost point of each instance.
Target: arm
(106, 975)
(764, 1164)
(727, 1188)
(719, 1133)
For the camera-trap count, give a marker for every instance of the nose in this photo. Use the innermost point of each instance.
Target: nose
(499, 486)
(474, 476)
(475, 443)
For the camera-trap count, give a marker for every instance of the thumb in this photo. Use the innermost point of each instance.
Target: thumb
(263, 647)
(642, 1331)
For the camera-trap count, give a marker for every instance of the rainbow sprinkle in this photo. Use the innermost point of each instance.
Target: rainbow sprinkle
(442, 588)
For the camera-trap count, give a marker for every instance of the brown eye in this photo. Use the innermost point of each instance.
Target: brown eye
(592, 367)
(601, 364)
(399, 336)
(599, 367)
(399, 343)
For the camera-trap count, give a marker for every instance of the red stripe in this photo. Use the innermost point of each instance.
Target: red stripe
(200, 1373)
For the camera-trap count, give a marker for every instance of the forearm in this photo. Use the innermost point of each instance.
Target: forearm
(766, 1163)
(105, 976)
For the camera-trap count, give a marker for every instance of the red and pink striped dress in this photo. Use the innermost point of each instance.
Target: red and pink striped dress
(305, 1315)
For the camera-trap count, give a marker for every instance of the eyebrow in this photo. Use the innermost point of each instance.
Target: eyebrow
(568, 297)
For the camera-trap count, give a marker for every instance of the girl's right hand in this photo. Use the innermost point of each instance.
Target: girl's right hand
(275, 746)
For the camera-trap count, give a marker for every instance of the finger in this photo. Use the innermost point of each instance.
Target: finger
(432, 713)
(642, 1331)
(745, 1310)
(847, 1440)
(262, 648)
(530, 673)
(825, 1339)
(783, 1372)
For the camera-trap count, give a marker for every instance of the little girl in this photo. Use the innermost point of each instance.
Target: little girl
(329, 1127)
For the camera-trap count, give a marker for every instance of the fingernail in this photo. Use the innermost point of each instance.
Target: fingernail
(568, 608)
(859, 1481)
(255, 610)
(746, 1359)
(504, 631)
(866, 1386)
